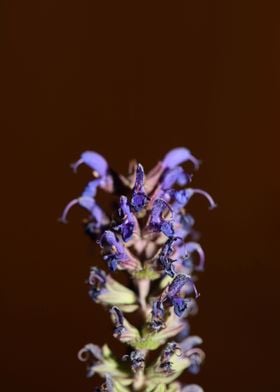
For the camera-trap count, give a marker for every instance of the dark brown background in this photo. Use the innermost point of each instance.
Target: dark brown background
(134, 79)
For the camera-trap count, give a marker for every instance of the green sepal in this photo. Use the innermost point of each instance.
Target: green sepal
(148, 342)
(128, 308)
(109, 365)
(153, 340)
(146, 273)
(121, 385)
(130, 333)
(174, 387)
(119, 295)
(165, 281)
(158, 388)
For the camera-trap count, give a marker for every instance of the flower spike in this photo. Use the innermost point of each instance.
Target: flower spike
(150, 241)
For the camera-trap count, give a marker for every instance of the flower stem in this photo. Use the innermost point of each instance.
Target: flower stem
(143, 290)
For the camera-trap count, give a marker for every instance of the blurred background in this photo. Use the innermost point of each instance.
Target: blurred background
(135, 79)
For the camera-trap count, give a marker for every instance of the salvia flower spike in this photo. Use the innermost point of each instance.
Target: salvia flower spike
(150, 239)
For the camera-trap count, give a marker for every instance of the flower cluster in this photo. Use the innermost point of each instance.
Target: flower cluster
(150, 236)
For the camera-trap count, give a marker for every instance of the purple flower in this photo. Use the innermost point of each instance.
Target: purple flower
(91, 188)
(173, 176)
(174, 290)
(183, 225)
(183, 196)
(157, 222)
(191, 247)
(189, 343)
(117, 252)
(180, 305)
(94, 161)
(137, 359)
(139, 198)
(118, 320)
(107, 386)
(158, 310)
(195, 355)
(88, 203)
(158, 315)
(127, 226)
(170, 349)
(164, 260)
(177, 284)
(97, 282)
(192, 388)
(177, 156)
(93, 355)
(196, 361)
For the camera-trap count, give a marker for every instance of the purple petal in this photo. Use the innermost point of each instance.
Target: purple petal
(139, 198)
(157, 309)
(179, 305)
(177, 156)
(97, 275)
(66, 210)
(91, 188)
(117, 252)
(173, 176)
(192, 388)
(167, 229)
(191, 247)
(190, 342)
(109, 238)
(177, 284)
(126, 228)
(183, 196)
(118, 319)
(85, 202)
(210, 199)
(93, 160)
(139, 182)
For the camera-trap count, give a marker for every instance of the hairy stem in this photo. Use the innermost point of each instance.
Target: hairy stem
(143, 290)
